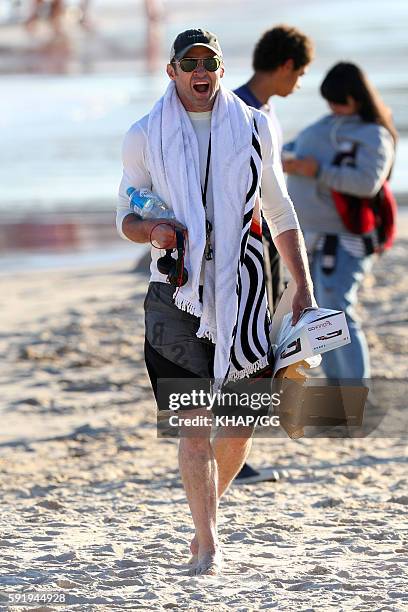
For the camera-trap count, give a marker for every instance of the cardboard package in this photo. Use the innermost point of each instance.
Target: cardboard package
(299, 347)
(317, 331)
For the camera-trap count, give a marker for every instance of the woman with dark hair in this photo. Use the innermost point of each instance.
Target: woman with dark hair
(347, 80)
(360, 131)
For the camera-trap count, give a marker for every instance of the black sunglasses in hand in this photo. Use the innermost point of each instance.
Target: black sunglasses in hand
(174, 269)
(188, 64)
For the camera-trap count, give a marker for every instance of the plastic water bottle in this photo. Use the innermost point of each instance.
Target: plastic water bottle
(147, 204)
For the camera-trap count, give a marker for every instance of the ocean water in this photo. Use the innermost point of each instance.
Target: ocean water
(61, 134)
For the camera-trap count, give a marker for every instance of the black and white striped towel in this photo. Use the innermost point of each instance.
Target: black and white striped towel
(234, 312)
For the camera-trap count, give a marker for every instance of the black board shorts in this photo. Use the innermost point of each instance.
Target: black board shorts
(172, 349)
(178, 361)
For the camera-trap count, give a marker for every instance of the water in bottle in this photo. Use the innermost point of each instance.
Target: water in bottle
(147, 204)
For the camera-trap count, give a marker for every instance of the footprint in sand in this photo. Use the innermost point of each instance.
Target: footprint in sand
(65, 583)
(343, 574)
(128, 563)
(403, 500)
(267, 536)
(320, 570)
(127, 573)
(237, 536)
(7, 544)
(328, 502)
(304, 586)
(51, 504)
(271, 524)
(70, 556)
(123, 583)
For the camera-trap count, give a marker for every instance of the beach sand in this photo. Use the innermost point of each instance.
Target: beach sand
(92, 504)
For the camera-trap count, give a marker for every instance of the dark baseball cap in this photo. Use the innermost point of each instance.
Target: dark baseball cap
(194, 38)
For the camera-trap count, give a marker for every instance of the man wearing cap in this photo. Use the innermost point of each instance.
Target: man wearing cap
(207, 156)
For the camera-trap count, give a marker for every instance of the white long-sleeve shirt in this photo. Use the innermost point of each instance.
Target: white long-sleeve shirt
(277, 206)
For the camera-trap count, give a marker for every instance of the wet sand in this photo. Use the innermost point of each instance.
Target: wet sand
(92, 504)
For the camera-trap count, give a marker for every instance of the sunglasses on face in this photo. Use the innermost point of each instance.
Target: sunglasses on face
(188, 64)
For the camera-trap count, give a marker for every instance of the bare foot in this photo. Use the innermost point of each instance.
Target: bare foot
(194, 551)
(209, 563)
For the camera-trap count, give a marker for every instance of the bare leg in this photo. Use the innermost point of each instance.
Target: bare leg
(84, 19)
(34, 16)
(230, 454)
(231, 450)
(56, 15)
(198, 469)
(154, 16)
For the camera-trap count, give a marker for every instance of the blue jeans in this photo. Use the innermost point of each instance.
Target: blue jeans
(338, 290)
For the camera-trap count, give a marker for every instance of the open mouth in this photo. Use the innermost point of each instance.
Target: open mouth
(201, 87)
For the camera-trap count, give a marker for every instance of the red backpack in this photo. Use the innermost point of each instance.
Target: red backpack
(372, 218)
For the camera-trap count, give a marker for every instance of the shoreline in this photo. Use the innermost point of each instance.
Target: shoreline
(72, 239)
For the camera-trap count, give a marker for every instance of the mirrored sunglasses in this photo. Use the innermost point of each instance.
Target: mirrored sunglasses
(188, 64)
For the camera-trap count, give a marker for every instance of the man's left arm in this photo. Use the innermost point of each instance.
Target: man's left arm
(291, 248)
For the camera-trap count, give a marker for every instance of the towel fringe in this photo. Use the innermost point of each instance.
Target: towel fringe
(249, 370)
(206, 332)
(187, 305)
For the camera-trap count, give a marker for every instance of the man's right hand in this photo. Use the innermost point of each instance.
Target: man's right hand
(162, 234)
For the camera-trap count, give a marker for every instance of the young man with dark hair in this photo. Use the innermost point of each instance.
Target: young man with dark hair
(280, 59)
(279, 45)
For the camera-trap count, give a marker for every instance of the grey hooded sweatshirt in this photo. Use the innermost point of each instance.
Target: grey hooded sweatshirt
(322, 140)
